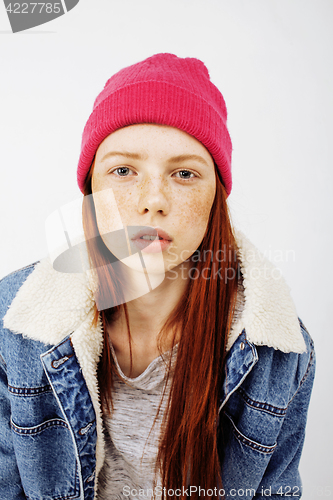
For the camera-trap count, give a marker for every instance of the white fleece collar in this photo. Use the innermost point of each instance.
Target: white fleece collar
(269, 316)
(51, 305)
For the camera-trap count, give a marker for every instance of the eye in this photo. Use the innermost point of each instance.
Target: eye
(185, 174)
(122, 171)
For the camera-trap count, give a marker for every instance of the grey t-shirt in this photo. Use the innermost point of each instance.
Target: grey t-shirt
(131, 439)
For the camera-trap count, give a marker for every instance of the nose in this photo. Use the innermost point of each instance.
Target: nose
(154, 196)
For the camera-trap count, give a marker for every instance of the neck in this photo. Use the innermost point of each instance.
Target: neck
(147, 315)
(149, 312)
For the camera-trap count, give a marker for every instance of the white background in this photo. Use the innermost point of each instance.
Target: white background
(272, 60)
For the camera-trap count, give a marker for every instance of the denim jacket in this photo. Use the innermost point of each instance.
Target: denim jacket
(51, 430)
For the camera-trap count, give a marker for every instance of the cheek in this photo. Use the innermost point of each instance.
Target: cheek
(195, 210)
(189, 225)
(107, 213)
(124, 200)
(112, 206)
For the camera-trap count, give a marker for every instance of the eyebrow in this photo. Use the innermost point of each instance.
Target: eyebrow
(137, 156)
(182, 158)
(126, 154)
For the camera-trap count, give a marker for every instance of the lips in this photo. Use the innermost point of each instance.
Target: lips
(151, 231)
(151, 240)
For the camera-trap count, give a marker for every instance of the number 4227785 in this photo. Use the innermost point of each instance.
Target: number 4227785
(34, 7)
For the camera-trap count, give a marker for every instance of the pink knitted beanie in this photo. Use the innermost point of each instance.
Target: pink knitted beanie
(166, 90)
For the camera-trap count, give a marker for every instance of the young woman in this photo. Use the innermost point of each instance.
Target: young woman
(175, 365)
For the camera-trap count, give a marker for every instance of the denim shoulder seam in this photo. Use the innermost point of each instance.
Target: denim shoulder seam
(301, 324)
(311, 361)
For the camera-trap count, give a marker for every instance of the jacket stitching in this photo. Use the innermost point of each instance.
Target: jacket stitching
(311, 360)
(67, 497)
(227, 395)
(273, 410)
(29, 391)
(252, 444)
(75, 444)
(38, 428)
(309, 364)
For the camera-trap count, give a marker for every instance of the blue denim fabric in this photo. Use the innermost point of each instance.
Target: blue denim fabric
(48, 427)
(265, 400)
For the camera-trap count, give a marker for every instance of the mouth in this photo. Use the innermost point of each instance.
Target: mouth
(151, 240)
(150, 234)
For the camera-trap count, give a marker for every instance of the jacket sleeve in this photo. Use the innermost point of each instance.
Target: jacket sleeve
(281, 479)
(10, 482)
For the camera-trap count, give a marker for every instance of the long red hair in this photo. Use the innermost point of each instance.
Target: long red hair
(188, 451)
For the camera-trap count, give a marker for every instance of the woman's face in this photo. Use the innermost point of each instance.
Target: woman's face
(159, 177)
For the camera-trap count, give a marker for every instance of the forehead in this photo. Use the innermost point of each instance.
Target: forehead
(148, 139)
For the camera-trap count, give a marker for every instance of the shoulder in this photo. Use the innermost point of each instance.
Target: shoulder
(43, 304)
(10, 342)
(10, 285)
(268, 315)
(277, 376)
